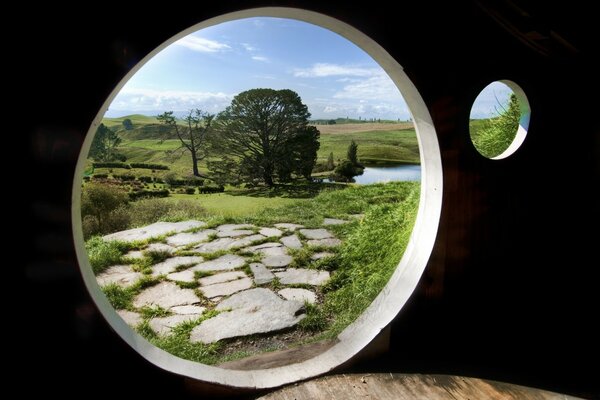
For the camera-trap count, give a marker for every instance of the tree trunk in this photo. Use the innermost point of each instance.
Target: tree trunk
(195, 164)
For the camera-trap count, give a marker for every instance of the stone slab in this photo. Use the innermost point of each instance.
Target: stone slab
(291, 242)
(300, 295)
(170, 264)
(270, 232)
(288, 226)
(281, 260)
(334, 221)
(254, 311)
(153, 230)
(261, 274)
(165, 295)
(222, 277)
(131, 318)
(182, 276)
(121, 275)
(164, 325)
(226, 288)
(300, 275)
(185, 238)
(223, 263)
(215, 245)
(320, 233)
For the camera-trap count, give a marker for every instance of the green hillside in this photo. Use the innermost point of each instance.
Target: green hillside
(385, 143)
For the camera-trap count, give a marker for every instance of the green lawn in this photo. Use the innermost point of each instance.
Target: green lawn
(396, 146)
(223, 204)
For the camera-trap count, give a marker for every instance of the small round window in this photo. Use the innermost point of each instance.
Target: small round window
(499, 119)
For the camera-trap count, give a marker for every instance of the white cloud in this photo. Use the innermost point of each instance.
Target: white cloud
(151, 100)
(379, 87)
(260, 58)
(249, 47)
(320, 70)
(202, 45)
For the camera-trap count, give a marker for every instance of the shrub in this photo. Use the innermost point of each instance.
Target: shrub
(105, 203)
(149, 166)
(125, 177)
(100, 176)
(111, 165)
(190, 190)
(147, 211)
(147, 179)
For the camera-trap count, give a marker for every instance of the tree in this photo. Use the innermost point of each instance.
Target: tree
(102, 207)
(499, 132)
(266, 133)
(330, 165)
(353, 154)
(346, 171)
(193, 135)
(104, 144)
(127, 124)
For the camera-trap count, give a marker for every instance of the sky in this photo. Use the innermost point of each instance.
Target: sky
(491, 100)
(206, 69)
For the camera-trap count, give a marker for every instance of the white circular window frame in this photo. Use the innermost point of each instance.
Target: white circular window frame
(525, 110)
(385, 306)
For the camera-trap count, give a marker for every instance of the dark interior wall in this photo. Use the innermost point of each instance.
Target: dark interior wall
(509, 293)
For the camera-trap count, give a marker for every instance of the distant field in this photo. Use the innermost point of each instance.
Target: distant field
(364, 127)
(378, 143)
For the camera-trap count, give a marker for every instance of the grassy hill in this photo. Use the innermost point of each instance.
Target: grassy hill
(378, 143)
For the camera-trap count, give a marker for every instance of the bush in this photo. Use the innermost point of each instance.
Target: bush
(146, 179)
(149, 166)
(105, 204)
(125, 177)
(148, 211)
(111, 165)
(212, 189)
(190, 190)
(346, 171)
(100, 176)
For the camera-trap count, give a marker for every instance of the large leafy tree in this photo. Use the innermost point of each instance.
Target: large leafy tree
(266, 133)
(104, 144)
(193, 133)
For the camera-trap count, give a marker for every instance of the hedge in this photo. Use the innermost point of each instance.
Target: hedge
(149, 166)
(148, 194)
(111, 165)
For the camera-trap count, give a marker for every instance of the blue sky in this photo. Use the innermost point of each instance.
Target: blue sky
(487, 104)
(206, 69)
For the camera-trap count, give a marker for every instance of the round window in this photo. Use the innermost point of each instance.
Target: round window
(499, 119)
(234, 200)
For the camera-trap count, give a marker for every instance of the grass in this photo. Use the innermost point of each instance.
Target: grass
(178, 342)
(104, 254)
(224, 204)
(377, 143)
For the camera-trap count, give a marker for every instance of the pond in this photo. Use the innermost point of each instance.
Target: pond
(388, 173)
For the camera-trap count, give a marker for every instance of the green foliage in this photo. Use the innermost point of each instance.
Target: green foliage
(145, 194)
(148, 211)
(346, 171)
(103, 254)
(315, 320)
(194, 135)
(330, 166)
(149, 166)
(119, 298)
(496, 135)
(103, 207)
(264, 135)
(364, 268)
(352, 154)
(104, 144)
(127, 124)
(111, 164)
(178, 343)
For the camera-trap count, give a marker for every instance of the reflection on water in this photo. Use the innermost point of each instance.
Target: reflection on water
(389, 173)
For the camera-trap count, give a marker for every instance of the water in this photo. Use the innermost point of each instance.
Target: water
(388, 174)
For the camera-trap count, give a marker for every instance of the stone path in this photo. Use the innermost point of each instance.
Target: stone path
(247, 273)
